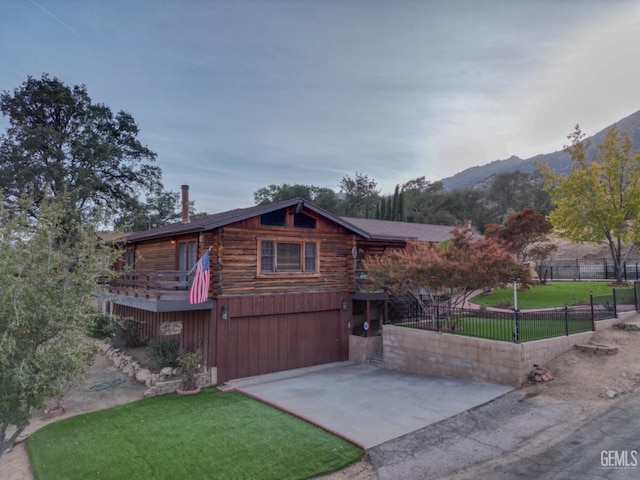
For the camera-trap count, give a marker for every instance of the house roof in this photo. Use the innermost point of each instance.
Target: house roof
(367, 228)
(391, 230)
(217, 220)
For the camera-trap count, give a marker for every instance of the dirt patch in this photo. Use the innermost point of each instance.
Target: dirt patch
(595, 252)
(588, 379)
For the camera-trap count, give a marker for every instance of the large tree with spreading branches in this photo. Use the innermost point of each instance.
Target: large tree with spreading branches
(60, 143)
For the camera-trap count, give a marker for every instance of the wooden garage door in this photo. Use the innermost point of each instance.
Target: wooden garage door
(256, 345)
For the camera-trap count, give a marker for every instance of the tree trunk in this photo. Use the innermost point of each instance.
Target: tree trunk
(5, 443)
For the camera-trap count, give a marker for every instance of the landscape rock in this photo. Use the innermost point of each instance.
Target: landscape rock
(633, 327)
(143, 375)
(540, 375)
(596, 349)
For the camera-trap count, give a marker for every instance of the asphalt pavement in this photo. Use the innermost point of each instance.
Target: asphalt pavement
(522, 437)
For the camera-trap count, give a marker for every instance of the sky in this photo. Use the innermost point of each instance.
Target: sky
(236, 95)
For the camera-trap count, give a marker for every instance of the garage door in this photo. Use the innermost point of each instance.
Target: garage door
(249, 346)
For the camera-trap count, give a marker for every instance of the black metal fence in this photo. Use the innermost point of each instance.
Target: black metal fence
(513, 326)
(578, 270)
(490, 324)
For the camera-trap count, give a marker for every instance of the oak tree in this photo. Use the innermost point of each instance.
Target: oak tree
(59, 142)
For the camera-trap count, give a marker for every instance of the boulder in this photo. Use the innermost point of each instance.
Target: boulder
(143, 375)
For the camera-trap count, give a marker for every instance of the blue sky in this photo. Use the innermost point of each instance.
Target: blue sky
(236, 95)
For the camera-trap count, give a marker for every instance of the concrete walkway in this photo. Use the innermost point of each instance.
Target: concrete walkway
(365, 404)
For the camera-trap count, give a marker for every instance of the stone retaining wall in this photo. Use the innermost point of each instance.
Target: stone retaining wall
(421, 351)
(167, 381)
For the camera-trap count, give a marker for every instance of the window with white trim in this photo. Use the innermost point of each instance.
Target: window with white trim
(288, 257)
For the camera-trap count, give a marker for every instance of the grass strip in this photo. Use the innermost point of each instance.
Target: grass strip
(550, 295)
(503, 329)
(211, 435)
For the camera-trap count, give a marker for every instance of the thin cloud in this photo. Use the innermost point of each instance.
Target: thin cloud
(57, 19)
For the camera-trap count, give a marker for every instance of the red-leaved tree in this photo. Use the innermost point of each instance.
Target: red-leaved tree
(455, 267)
(520, 232)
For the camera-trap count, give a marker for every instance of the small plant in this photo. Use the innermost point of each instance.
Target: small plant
(164, 353)
(189, 364)
(100, 326)
(128, 333)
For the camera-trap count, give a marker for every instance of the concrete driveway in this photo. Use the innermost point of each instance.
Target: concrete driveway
(365, 404)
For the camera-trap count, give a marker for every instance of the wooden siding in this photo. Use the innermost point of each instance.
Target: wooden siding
(196, 327)
(159, 254)
(270, 333)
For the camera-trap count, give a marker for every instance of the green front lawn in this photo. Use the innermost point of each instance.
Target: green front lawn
(205, 436)
(555, 294)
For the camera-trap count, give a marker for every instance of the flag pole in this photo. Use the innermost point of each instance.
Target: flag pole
(196, 264)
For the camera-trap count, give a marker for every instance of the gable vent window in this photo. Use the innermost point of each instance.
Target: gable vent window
(288, 257)
(300, 220)
(274, 219)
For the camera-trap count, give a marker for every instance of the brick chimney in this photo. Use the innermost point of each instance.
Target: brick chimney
(185, 204)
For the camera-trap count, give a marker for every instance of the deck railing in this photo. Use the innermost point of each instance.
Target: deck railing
(153, 285)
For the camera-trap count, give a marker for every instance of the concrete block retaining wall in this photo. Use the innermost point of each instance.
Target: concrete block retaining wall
(362, 349)
(420, 351)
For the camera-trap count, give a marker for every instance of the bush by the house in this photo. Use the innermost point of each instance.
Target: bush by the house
(164, 353)
(128, 333)
(100, 326)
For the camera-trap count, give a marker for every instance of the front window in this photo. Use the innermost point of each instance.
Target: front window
(288, 257)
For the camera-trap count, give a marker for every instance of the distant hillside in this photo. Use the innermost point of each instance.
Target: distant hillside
(559, 161)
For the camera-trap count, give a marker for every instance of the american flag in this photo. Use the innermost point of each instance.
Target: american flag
(199, 292)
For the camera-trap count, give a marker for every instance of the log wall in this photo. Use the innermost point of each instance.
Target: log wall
(237, 268)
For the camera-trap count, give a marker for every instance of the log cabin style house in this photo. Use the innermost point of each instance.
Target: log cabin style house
(286, 284)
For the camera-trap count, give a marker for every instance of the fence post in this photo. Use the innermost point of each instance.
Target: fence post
(593, 317)
(578, 268)
(566, 320)
(516, 334)
(635, 293)
(615, 306)
(437, 317)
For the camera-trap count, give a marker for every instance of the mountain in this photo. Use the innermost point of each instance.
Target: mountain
(559, 161)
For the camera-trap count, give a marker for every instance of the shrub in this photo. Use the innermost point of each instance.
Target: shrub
(128, 333)
(100, 326)
(189, 364)
(164, 353)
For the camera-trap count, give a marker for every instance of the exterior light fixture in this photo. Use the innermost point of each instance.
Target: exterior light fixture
(224, 311)
(345, 304)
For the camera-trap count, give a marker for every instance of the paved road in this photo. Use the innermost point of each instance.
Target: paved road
(519, 437)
